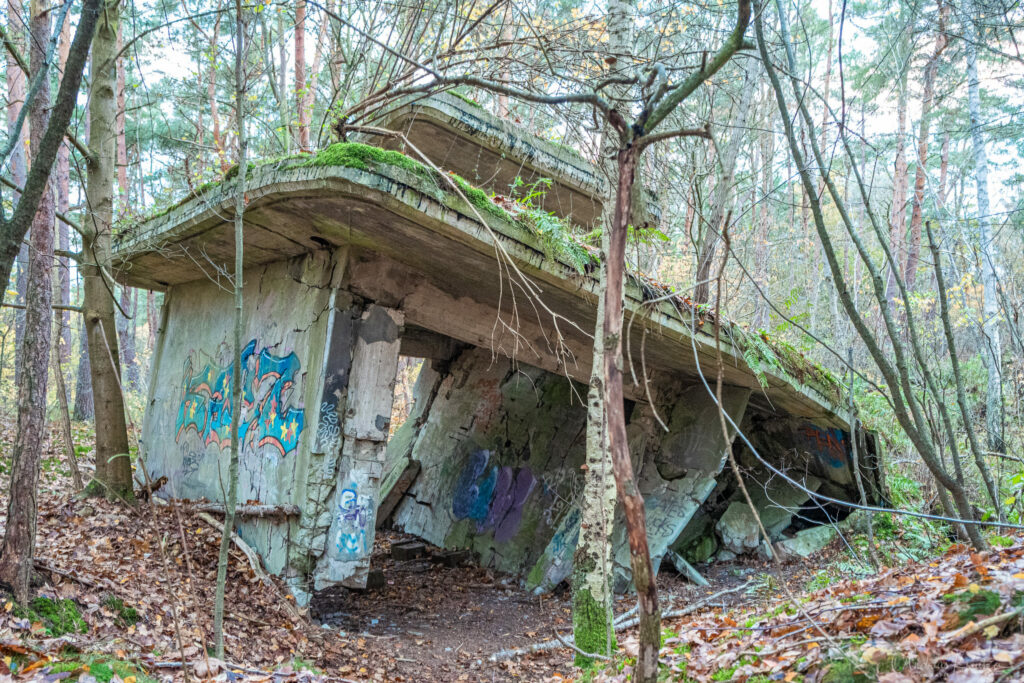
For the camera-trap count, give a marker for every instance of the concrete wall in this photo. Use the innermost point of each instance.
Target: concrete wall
(490, 460)
(186, 434)
(495, 453)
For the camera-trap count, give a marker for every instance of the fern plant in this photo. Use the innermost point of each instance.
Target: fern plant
(759, 356)
(556, 236)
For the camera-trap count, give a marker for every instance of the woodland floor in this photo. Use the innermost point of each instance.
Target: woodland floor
(430, 622)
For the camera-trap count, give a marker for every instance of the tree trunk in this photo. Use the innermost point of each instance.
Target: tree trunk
(63, 183)
(591, 577)
(898, 213)
(917, 210)
(84, 408)
(14, 229)
(211, 96)
(764, 215)
(236, 384)
(629, 494)
(302, 132)
(18, 549)
(152, 318)
(724, 187)
(992, 353)
(591, 580)
(18, 163)
(113, 468)
(126, 339)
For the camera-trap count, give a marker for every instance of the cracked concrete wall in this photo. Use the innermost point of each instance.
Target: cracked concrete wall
(496, 451)
(186, 434)
(499, 453)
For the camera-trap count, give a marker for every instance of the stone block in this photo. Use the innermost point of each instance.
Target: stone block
(809, 541)
(408, 550)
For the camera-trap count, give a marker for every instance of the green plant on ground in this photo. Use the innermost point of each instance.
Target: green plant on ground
(125, 615)
(58, 617)
(103, 668)
(974, 602)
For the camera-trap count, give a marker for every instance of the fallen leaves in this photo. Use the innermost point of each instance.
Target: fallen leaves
(957, 618)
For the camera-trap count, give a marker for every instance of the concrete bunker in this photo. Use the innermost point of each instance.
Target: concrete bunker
(358, 256)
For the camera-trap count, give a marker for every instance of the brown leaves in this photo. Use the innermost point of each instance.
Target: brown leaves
(903, 624)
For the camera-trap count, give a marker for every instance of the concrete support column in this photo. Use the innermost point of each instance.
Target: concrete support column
(365, 423)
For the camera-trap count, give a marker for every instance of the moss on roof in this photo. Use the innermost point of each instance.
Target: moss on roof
(760, 352)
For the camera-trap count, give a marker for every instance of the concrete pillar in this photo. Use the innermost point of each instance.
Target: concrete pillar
(365, 422)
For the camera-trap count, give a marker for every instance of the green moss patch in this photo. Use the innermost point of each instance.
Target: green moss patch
(364, 157)
(972, 604)
(102, 668)
(125, 615)
(58, 617)
(589, 626)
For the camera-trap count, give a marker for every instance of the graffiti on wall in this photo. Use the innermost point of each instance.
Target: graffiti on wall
(492, 496)
(268, 416)
(354, 517)
(826, 444)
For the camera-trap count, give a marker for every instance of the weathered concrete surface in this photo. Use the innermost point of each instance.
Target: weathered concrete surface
(499, 456)
(348, 265)
(366, 419)
(498, 459)
(186, 432)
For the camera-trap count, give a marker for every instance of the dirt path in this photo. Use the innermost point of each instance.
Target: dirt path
(441, 623)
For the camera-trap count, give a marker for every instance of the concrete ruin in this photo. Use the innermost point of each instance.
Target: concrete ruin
(357, 256)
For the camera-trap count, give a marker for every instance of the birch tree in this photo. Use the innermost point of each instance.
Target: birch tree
(992, 349)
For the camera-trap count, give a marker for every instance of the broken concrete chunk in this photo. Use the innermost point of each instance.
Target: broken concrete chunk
(454, 558)
(738, 529)
(808, 541)
(686, 569)
(375, 579)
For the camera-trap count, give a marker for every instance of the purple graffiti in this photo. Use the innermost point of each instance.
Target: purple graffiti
(507, 505)
(493, 497)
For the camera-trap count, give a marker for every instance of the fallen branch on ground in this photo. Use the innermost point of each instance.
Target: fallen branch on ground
(254, 510)
(973, 628)
(622, 625)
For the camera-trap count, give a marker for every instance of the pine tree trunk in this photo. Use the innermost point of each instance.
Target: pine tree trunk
(18, 164)
(62, 181)
(898, 214)
(84, 408)
(18, 550)
(113, 467)
(126, 339)
(302, 132)
(917, 210)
